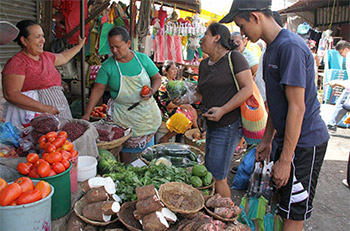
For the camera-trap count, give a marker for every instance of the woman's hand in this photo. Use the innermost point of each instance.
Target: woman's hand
(177, 101)
(50, 109)
(81, 41)
(86, 117)
(149, 95)
(214, 114)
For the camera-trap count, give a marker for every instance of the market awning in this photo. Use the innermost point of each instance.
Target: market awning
(187, 5)
(311, 5)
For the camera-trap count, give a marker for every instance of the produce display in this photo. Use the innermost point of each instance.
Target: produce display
(176, 88)
(74, 130)
(223, 207)
(7, 151)
(57, 151)
(22, 191)
(100, 111)
(43, 124)
(109, 132)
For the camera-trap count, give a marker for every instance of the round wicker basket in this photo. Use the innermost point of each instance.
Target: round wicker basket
(195, 150)
(78, 210)
(127, 218)
(188, 138)
(181, 198)
(114, 143)
(208, 186)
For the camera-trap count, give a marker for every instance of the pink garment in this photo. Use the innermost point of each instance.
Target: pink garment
(40, 74)
(73, 20)
(162, 15)
(167, 47)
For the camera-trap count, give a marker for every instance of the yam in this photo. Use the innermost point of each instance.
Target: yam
(110, 207)
(145, 192)
(169, 215)
(74, 223)
(116, 198)
(90, 228)
(222, 202)
(137, 215)
(219, 224)
(211, 201)
(94, 212)
(91, 183)
(154, 221)
(96, 195)
(207, 227)
(236, 210)
(149, 205)
(224, 212)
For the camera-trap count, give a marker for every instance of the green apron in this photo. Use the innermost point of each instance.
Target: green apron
(145, 118)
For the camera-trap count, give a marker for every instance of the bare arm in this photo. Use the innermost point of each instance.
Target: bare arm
(245, 82)
(254, 69)
(263, 150)
(65, 56)
(12, 86)
(294, 120)
(156, 81)
(96, 93)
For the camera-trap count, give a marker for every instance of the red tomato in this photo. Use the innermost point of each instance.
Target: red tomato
(33, 173)
(145, 90)
(55, 157)
(44, 188)
(51, 134)
(62, 134)
(36, 164)
(58, 142)
(51, 173)
(66, 155)
(58, 167)
(65, 163)
(29, 197)
(23, 168)
(26, 183)
(32, 157)
(43, 169)
(10, 194)
(68, 146)
(3, 184)
(30, 165)
(74, 153)
(50, 148)
(42, 139)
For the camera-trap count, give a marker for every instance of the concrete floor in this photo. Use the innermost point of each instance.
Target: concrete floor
(332, 200)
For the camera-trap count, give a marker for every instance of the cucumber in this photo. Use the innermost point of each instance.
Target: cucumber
(192, 156)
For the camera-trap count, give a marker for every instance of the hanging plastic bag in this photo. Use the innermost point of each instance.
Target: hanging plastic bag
(241, 180)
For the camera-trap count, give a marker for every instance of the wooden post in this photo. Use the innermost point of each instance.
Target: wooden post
(82, 57)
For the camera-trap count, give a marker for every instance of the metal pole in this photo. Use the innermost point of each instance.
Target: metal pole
(131, 25)
(82, 57)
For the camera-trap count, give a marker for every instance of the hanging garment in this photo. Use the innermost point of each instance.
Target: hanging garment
(167, 47)
(145, 119)
(73, 19)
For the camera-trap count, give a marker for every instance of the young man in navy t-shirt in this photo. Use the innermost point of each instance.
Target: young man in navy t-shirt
(294, 112)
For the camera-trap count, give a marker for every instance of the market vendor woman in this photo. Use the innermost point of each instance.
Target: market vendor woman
(125, 73)
(31, 83)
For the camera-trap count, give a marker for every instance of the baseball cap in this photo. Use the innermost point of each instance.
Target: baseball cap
(245, 5)
(8, 32)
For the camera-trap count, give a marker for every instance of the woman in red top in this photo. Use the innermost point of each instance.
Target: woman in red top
(30, 80)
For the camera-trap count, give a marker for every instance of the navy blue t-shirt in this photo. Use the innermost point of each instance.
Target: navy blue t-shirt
(289, 61)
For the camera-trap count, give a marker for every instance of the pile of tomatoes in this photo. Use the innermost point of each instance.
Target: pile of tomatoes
(22, 191)
(57, 151)
(99, 111)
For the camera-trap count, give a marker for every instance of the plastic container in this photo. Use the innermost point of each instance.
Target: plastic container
(33, 216)
(61, 199)
(74, 174)
(87, 167)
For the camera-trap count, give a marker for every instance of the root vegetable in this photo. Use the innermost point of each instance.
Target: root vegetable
(91, 183)
(96, 195)
(219, 224)
(116, 198)
(169, 215)
(154, 221)
(224, 212)
(110, 207)
(90, 228)
(211, 201)
(149, 205)
(137, 215)
(110, 185)
(236, 210)
(222, 202)
(94, 212)
(74, 223)
(207, 227)
(145, 192)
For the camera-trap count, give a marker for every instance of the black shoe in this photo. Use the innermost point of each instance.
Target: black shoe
(332, 128)
(234, 170)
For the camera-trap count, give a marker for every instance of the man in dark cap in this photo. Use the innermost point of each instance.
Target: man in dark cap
(294, 111)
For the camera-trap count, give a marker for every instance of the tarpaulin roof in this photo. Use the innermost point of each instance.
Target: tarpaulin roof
(310, 5)
(187, 5)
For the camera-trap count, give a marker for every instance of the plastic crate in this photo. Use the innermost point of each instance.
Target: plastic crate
(335, 93)
(330, 96)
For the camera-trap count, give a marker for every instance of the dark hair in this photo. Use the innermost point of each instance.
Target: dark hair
(246, 14)
(225, 36)
(341, 45)
(119, 30)
(166, 66)
(277, 18)
(23, 30)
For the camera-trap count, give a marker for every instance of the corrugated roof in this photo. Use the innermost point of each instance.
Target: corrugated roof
(310, 5)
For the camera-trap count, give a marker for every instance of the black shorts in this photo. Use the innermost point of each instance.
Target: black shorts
(295, 198)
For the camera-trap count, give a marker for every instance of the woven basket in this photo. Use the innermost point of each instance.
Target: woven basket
(78, 210)
(127, 218)
(114, 143)
(211, 213)
(181, 198)
(195, 150)
(188, 138)
(208, 186)
(212, 191)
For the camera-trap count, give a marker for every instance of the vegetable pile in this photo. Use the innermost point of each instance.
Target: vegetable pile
(42, 125)
(108, 132)
(100, 111)
(74, 130)
(22, 191)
